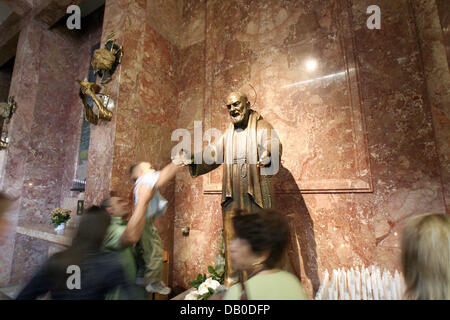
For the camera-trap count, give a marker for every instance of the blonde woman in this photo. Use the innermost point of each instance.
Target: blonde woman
(426, 257)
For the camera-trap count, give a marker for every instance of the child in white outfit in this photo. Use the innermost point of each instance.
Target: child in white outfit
(149, 247)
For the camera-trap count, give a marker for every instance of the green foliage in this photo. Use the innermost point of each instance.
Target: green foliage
(217, 273)
(197, 282)
(206, 295)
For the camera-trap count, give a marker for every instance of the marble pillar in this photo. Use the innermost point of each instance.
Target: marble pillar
(431, 25)
(24, 87)
(41, 158)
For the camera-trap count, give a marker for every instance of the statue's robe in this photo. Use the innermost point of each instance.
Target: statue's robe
(243, 185)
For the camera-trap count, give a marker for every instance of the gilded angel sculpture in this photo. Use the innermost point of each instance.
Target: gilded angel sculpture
(100, 109)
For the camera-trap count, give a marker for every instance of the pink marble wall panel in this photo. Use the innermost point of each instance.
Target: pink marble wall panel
(158, 87)
(128, 102)
(323, 104)
(203, 215)
(45, 162)
(192, 209)
(193, 15)
(51, 139)
(165, 17)
(33, 254)
(402, 143)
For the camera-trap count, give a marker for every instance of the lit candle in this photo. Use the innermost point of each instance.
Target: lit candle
(374, 284)
(357, 284)
(363, 284)
(369, 285)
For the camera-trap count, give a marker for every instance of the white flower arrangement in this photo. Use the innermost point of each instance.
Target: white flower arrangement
(203, 287)
(206, 287)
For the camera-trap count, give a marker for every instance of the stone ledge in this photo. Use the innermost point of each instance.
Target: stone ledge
(47, 233)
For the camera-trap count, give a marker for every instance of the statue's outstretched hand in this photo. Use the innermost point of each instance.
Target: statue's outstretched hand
(182, 158)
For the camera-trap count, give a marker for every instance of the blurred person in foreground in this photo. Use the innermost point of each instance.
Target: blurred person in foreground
(426, 257)
(121, 236)
(100, 272)
(258, 249)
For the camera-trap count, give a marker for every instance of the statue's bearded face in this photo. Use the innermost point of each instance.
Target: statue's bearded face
(238, 107)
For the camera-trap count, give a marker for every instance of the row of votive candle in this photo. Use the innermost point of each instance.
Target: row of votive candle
(365, 284)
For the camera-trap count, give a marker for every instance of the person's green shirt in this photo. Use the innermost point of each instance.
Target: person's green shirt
(112, 243)
(280, 285)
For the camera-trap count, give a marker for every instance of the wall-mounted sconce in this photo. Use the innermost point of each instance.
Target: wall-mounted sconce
(105, 60)
(101, 108)
(185, 231)
(80, 207)
(7, 109)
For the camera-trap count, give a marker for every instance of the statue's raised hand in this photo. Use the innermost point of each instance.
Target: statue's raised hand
(182, 158)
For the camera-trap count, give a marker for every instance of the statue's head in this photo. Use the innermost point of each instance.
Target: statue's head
(238, 107)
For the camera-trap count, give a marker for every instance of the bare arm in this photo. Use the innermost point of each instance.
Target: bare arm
(167, 173)
(136, 224)
(170, 170)
(218, 155)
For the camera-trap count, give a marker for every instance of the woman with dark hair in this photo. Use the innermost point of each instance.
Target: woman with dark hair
(258, 248)
(99, 272)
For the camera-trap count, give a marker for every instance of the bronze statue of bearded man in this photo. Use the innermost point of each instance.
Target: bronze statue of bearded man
(251, 152)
